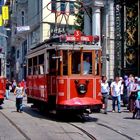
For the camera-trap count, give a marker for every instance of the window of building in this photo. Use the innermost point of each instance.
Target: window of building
(63, 7)
(38, 4)
(53, 5)
(22, 18)
(71, 7)
(17, 54)
(24, 48)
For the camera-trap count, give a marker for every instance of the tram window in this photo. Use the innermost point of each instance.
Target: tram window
(41, 69)
(96, 64)
(76, 58)
(30, 66)
(35, 61)
(65, 62)
(52, 60)
(30, 71)
(87, 63)
(41, 59)
(35, 72)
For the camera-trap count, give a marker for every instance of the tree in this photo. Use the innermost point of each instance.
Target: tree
(79, 14)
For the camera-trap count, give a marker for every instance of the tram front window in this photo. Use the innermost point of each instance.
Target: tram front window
(65, 62)
(76, 59)
(82, 63)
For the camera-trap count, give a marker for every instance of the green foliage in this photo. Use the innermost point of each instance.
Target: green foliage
(79, 21)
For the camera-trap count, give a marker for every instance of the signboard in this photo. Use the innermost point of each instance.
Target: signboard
(77, 35)
(82, 38)
(23, 28)
(5, 12)
(1, 20)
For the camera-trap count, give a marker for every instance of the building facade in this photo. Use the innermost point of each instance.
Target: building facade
(32, 22)
(117, 23)
(99, 20)
(127, 37)
(4, 44)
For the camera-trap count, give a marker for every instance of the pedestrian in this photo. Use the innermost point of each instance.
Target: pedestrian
(19, 97)
(105, 93)
(14, 85)
(116, 94)
(23, 85)
(137, 101)
(132, 93)
(7, 89)
(125, 95)
(122, 86)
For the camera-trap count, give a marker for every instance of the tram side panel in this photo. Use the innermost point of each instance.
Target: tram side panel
(98, 88)
(37, 88)
(2, 89)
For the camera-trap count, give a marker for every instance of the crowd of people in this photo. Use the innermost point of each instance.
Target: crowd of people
(19, 90)
(126, 89)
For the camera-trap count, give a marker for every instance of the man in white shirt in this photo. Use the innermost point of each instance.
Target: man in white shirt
(86, 66)
(116, 94)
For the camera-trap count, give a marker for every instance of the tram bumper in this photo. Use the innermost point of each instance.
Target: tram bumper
(80, 103)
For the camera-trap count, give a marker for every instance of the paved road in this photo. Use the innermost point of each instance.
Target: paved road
(32, 125)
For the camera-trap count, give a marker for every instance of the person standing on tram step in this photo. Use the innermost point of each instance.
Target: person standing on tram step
(19, 97)
(86, 66)
(7, 89)
(116, 94)
(105, 93)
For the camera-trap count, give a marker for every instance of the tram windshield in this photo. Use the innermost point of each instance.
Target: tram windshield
(82, 63)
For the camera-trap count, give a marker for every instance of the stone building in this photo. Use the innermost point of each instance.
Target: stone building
(99, 20)
(117, 23)
(127, 37)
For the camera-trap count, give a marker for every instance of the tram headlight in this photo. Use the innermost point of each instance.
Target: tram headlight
(82, 88)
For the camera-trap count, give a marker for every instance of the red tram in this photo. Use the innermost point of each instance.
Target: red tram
(2, 89)
(56, 77)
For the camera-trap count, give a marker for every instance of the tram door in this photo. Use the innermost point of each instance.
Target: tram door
(52, 69)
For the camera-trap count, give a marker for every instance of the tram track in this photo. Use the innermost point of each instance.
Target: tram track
(27, 138)
(15, 126)
(74, 125)
(84, 131)
(118, 132)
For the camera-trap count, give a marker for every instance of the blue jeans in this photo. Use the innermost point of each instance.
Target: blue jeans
(118, 99)
(7, 93)
(19, 104)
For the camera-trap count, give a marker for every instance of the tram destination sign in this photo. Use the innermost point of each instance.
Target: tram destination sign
(71, 38)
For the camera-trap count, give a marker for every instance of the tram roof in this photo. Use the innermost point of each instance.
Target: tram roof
(55, 43)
